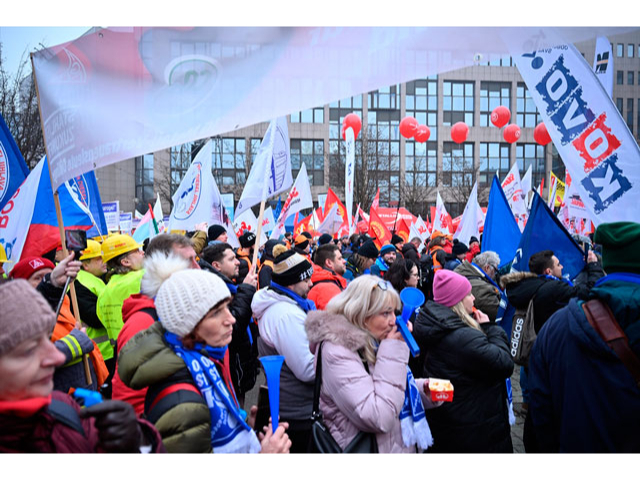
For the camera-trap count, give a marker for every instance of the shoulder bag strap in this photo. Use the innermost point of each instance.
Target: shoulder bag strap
(316, 394)
(602, 320)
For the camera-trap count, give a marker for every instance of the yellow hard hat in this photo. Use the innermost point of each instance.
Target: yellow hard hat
(93, 250)
(118, 244)
(3, 255)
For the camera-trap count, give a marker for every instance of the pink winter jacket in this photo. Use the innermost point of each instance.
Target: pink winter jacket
(351, 399)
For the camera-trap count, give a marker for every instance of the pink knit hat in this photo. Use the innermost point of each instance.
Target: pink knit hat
(449, 287)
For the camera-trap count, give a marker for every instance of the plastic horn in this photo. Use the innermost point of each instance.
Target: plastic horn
(411, 298)
(272, 365)
(89, 396)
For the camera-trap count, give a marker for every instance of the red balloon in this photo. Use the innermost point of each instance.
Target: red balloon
(500, 116)
(541, 135)
(343, 132)
(459, 132)
(408, 127)
(422, 134)
(511, 133)
(352, 120)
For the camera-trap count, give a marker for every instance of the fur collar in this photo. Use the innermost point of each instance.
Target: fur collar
(323, 326)
(515, 277)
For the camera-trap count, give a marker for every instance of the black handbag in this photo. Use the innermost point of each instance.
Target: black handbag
(321, 439)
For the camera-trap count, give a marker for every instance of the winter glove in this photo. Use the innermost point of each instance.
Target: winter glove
(117, 424)
(74, 345)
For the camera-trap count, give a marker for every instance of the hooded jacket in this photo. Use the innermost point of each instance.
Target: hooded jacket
(410, 252)
(487, 295)
(550, 295)
(582, 397)
(281, 324)
(326, 285)
(352, 400)
(477, 363)
(138, 314)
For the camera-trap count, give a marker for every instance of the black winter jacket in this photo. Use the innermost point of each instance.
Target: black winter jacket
(410, 252)
(243, 349)
(477, 363)
(550, 295)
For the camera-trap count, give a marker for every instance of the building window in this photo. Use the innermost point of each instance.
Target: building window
(620, 50)
(421, 165)
(179, 164)
(630, 48)
(382, 153)
(619, 103)
(494, 157)
(421, 103)
(311, 153)
(144, 182)
(630, 78)
(498, 60)
(313, 115)
(630, 114)
(229, 166)
(457, 165)
(527, 115)
(457, 100)
(619, 77)
(531, 154)
(492, 95)
(384, 98)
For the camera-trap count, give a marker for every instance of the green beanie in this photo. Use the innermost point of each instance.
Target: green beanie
(620, 246)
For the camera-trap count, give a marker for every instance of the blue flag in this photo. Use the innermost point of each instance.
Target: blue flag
(544, 231)
(276, 212)
(13, 168)
(501, 232)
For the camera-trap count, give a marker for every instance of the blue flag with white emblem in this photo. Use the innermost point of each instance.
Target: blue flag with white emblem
(13, 168)
(501, 232)
(544, 231)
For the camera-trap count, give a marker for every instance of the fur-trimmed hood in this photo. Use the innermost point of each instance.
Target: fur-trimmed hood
(157, 268)
(334, 328)
(512, 278)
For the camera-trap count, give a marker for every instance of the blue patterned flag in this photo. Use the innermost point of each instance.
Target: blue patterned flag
(501, 232)
(13, 168)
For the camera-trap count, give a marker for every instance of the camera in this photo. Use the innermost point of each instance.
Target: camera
(76, 241)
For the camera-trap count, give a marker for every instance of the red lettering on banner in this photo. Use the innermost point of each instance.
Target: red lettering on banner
(596, 143)
(509, 179)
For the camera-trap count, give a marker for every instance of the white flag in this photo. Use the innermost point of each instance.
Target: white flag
(196, 194)
(268, 223)
(247, 222)
(157, 213)
(526, 183)
(469, 225)
(298, 199)
(513, 191)
(440, 221)
(587, 129)
(553, 186)
(349, 172)
(603, 64)
(271, 171)
(331, 222)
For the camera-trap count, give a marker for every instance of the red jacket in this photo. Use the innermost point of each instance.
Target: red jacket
(473, 251)
(326, 285)
(135, 320)
(41, 432)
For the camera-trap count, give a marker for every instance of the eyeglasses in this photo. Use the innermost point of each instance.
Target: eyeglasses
(384, 285)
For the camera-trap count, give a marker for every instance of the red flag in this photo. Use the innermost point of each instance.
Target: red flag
(331, 199)
(376, 201)
(380, 233)
(302, 225)
(402, 229)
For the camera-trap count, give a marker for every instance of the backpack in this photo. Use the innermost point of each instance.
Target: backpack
(523, 334)
(426, 275)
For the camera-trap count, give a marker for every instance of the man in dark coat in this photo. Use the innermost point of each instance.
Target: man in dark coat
(583, 398)
(482, 275)
(410, 250)
(243, 349)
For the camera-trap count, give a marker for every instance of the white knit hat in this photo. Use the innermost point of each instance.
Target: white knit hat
(186, 297)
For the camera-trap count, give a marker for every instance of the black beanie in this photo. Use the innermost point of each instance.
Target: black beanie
(324, 239)
(368, 250)
(458, 248)
(215, 231)
(396, 239)
(247, 239)
(290, 267)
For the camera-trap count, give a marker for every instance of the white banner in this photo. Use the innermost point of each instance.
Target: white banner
(268, 223)
(349, 168)
(112, 215)
(439, 222)
(271, 171)
(603, 64)
(298, 199)
(126, 223)
(247, 222)
(469, 225)
(525, 182)
(116, 93)
(593, 140)
(513, 191)
(322, 199)
(331, 222)
(422, 228)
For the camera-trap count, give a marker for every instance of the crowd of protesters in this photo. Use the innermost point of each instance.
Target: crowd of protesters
(169, 336)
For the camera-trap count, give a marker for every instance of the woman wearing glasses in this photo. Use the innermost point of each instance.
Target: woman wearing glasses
(403, 273)
(366, 385)
(463, 346)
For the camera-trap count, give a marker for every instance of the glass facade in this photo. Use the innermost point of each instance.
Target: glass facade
(492, 95)
(312, 115)
(527, 115)
(144, 182)
(457, 102)
(531, 154)
(228, 161)
(311, 153)
(179, 164)
(494, 157)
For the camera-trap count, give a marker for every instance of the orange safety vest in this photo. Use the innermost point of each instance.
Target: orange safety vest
(436, 263)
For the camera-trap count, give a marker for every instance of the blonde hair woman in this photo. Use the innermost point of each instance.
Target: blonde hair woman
(366, 385)
(462, 345)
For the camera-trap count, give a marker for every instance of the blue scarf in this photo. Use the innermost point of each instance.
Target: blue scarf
(565, 280)
(305, 304)
(382, 265)
(229, 431)
(413, 422)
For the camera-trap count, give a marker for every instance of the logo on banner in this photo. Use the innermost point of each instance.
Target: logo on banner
(602, 62)
(189, 199)
(195, 75)
(4, 172)
(75, 72)
(77, 188)
(606, 183)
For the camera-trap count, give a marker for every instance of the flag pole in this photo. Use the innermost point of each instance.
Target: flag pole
(56, 201)
(265, 182)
